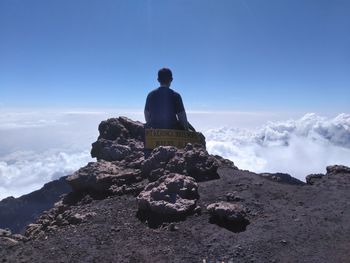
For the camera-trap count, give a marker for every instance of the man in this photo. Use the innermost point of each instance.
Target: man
(164, 108)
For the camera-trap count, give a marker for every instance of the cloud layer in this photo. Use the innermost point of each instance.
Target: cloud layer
(299, 147)
(39, 146)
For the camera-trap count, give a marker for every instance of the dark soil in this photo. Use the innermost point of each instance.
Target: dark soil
(285, 223)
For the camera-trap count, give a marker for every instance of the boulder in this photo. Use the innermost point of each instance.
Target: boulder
(112, 129)
(313, 178)
(170, 195)
(192, 161)
(136, 129)
(337, 169)
(101, 176)
(7, 239)
(228, 215)
(282, 178)
(199, 164)
(227, 211)
(109, 150)
(117, 139)
(17, 213)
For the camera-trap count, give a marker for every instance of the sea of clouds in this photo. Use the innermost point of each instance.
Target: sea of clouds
(37, 146)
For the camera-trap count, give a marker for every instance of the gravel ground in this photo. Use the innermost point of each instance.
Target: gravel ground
(287, 223)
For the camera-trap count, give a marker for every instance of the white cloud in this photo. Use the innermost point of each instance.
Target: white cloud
(299, 147)
(24, 172)
(37, 146)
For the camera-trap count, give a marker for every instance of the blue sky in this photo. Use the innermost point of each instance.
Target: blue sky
(248, 55)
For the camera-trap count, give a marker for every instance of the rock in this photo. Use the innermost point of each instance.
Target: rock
(7, 239)
(158, 159)
(225, 162)
(112, 129)
(337, 169)
(119, 137)
(109, 150)
(135, 129)
(99, 177)
(17, 213)
(199, 164)
(282, 178)
(173, 194)
(5, 233)
(230, 216)
(8, 242)
(233, 197)
(312, 178)
(192, 161)
(227, 211)
(33, 230)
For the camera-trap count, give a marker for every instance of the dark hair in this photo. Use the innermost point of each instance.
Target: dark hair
(165, 75)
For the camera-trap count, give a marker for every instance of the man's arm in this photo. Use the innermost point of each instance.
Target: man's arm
(147, 116)
(181, 113)
(146, 111)
(183, 119)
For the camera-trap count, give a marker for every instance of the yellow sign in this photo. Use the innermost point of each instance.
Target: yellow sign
(165, 137)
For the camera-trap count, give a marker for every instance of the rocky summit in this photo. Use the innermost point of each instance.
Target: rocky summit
(178, 205)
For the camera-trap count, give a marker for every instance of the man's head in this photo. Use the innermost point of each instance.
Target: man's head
(165, 76)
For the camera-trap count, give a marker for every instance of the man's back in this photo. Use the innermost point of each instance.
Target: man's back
(163, 104)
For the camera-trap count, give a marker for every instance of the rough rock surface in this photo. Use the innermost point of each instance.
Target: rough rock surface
(234, 213)
(337, 169)
(310, 219)
(282, 178)
(171, 195)
(192, 161)
(103, 178)
(232, 216)
(9, 240)
(17, 213)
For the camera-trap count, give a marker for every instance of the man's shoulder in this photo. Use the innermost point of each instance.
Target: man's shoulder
(176, 94)
(152, 92)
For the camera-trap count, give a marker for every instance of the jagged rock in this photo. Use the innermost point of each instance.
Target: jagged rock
(109, 150)
(227, 211)
(222, 162)
(173, 194)
(5, 232)
(199, 164)
(159, 157)
(17, 213)
(282, 178)
(33, 230)
(233, 196)
(337, 169)
(7, 239)
(312, 178)
(135, 129)
(112, 129)
(7, 242)
(192, 161)
(118, 138)
(99, 177)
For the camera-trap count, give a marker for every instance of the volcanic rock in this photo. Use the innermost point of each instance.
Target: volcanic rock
(227, 211)
(337, 169)
(173, 194)
(17, 213)
(192, 161)
(102, 176)
(312, 178)
(229, 215)
(282, 178)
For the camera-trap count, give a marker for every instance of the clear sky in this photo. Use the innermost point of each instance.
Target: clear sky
(248, 55)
